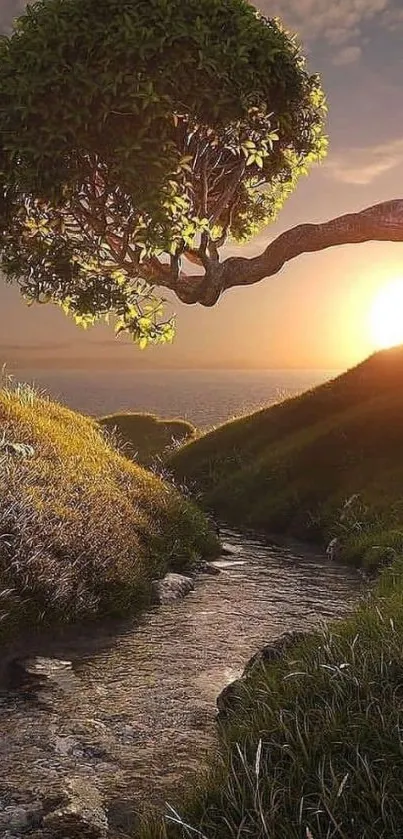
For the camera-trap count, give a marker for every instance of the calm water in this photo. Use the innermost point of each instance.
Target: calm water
(204, 397)
(134, 713)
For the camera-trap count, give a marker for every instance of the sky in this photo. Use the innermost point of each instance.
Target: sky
(316, 313)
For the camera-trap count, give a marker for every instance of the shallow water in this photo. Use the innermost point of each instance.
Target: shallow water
(134, 712)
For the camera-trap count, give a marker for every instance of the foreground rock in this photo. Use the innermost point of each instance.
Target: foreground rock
(229, 701)
(79, 816)
(204, 567)
(15, 819)
(226, 551)
(273, 652)
(75, 813)
(25, 673)
(171, 588)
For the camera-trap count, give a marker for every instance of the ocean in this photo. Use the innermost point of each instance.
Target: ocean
(204, 397)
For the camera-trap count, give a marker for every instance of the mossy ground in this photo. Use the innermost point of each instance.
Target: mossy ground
(83, 530)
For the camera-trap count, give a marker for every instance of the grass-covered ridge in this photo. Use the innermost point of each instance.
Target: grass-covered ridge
(291, 467)
(312, 746)
(145, 437)
(82, 529)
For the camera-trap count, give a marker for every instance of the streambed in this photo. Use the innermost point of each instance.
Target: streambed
(129, 708)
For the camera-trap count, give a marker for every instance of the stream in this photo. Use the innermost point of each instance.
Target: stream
(129, 707)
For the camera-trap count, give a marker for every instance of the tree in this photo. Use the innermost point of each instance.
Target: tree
(137, 137)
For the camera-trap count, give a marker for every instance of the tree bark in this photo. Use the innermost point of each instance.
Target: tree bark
(381, 222)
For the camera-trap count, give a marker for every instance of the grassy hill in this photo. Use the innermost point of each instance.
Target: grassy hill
(312, 746)
(291, 467)
(83, 530)
(143, 437)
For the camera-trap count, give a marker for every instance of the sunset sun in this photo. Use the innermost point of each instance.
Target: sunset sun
(386, 315)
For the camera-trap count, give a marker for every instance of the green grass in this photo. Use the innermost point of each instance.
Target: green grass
(312, 748)
(316, 747)
(290, 467)
(144, 437)
(83, 530)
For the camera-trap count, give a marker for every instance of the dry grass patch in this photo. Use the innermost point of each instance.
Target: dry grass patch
(82, 529)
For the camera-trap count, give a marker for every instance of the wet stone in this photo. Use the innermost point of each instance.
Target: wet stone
(230, 699)
(29, 675)
(16, 819)
(171, 588)
(70, 746)
(204, 567)
(80, 816)
(274, 651)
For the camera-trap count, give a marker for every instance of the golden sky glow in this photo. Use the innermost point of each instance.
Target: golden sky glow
(386, 315)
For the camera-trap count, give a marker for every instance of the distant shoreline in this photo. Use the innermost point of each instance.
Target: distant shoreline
(205, 398)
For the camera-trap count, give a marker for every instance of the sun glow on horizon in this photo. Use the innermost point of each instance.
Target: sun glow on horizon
(386, 315)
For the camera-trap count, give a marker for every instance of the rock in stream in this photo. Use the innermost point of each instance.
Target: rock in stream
(172, 587)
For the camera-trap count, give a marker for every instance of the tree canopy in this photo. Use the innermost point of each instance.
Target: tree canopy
(136, 138)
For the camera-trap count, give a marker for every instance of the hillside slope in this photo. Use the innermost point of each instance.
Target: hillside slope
(292, 466)
(82, 529)
(308, 739)
(144, 437)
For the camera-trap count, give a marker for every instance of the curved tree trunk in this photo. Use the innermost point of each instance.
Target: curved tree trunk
(382, 222)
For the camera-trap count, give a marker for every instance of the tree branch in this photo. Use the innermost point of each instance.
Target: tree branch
(382, 222)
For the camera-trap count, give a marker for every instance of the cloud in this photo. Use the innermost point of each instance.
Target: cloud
(321, 18)
(347, 55)
(339, 23)
(361, 166)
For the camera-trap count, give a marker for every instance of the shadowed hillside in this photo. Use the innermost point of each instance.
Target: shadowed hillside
(143, 436)
(291, 466)
(309, 743)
